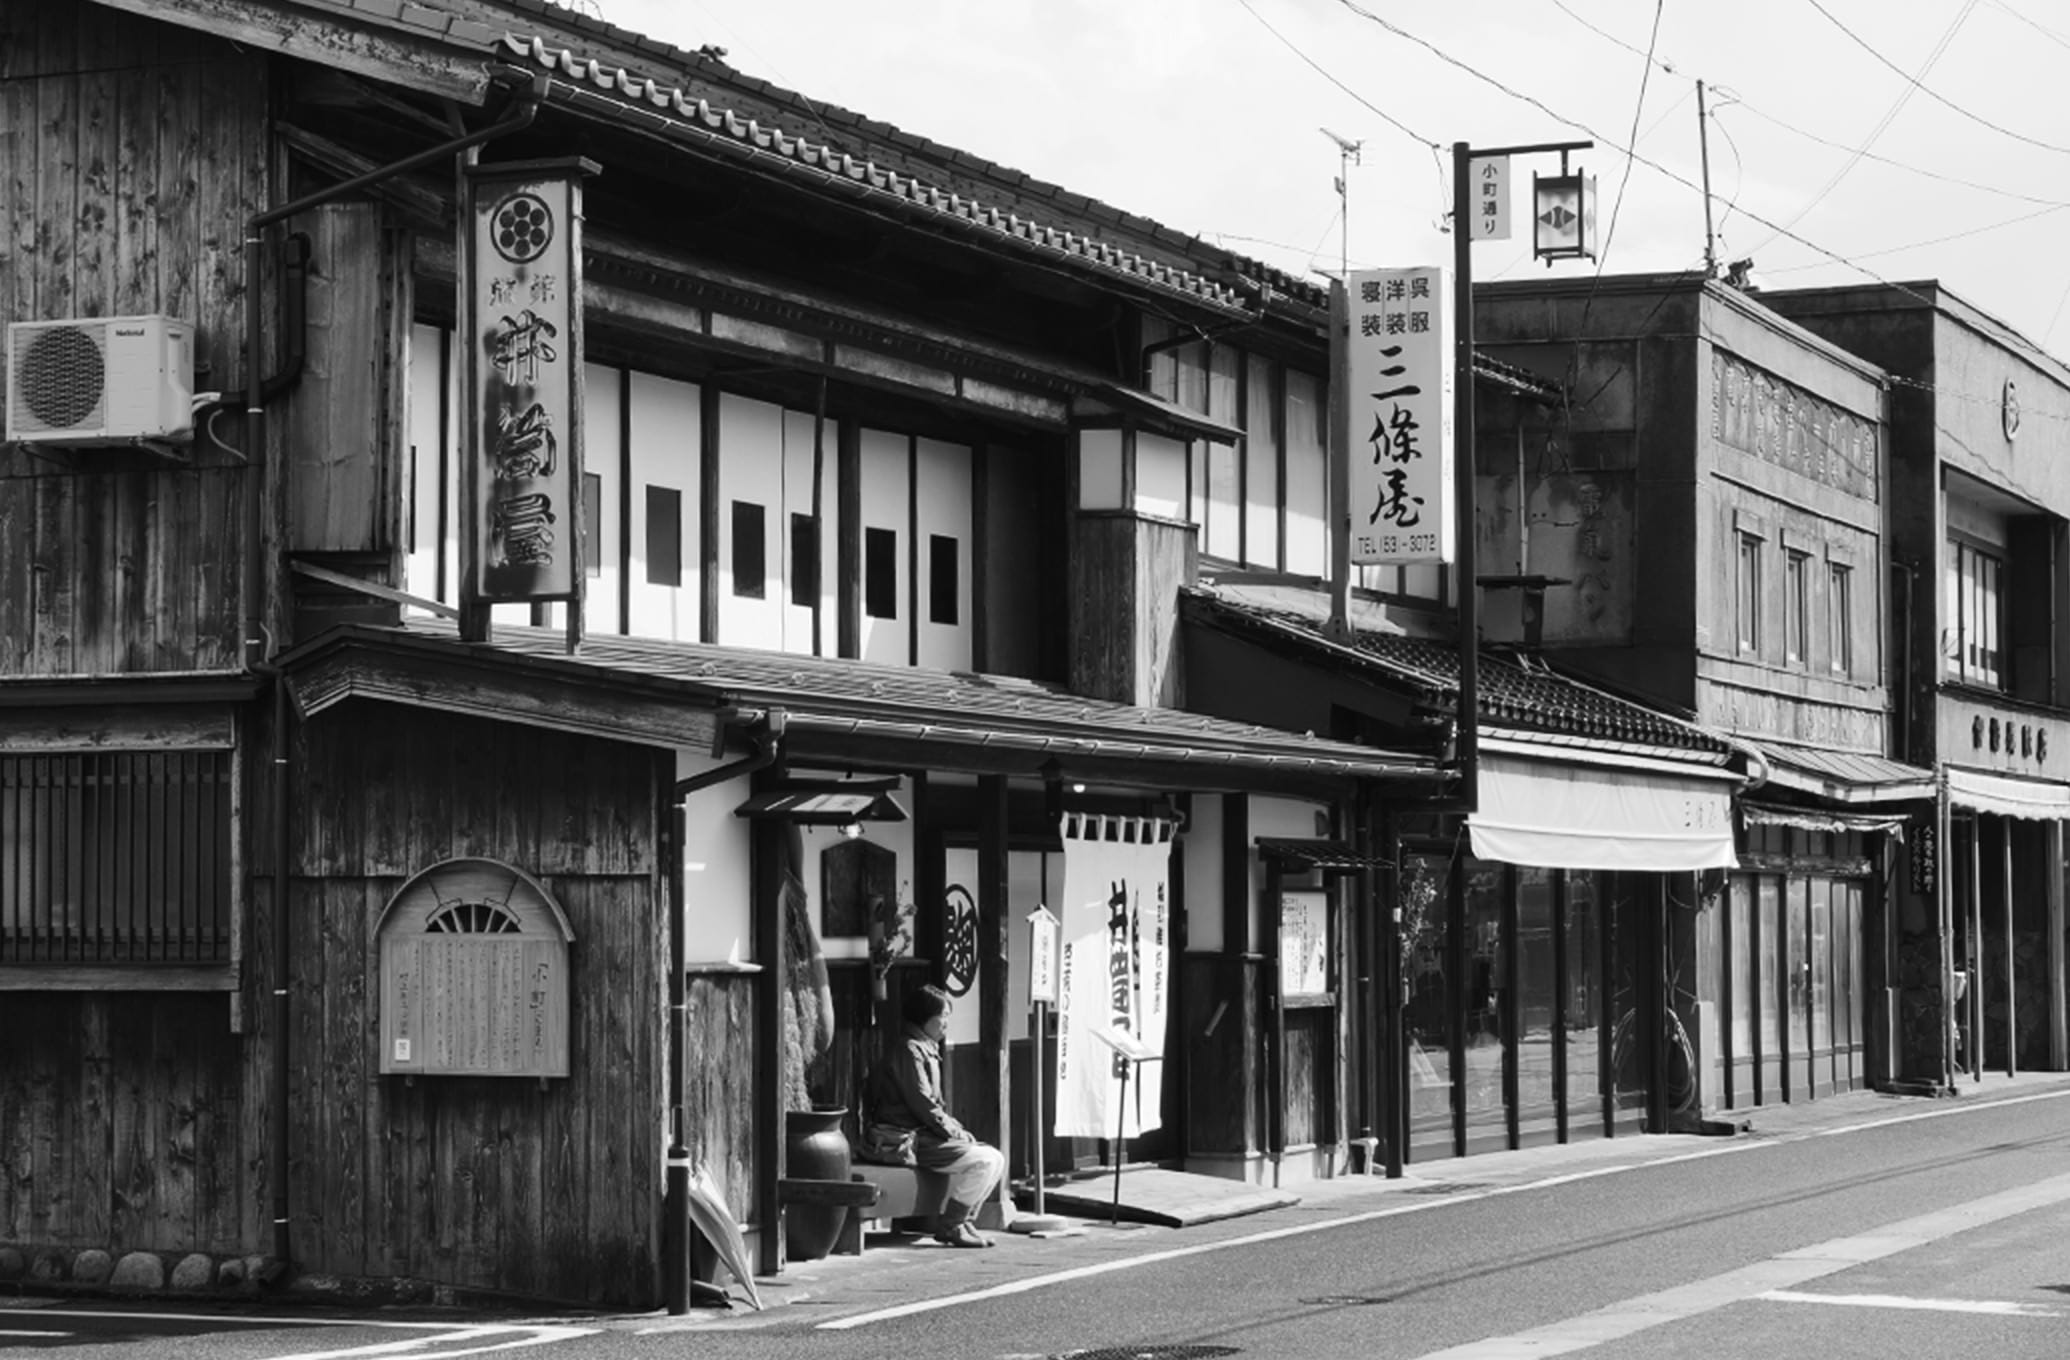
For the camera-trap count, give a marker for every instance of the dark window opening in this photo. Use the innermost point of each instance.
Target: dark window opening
(664, 536)
(750, 562)
(942, 586)
(880, 573)
(804, 561)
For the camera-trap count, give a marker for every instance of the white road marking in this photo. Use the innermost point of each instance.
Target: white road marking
(1775, 1274)
(1326, 1225)
(4, 1332)
(1993, 1307)
(527, 1335)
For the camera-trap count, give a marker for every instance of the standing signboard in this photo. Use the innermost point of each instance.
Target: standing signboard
(1399, 375)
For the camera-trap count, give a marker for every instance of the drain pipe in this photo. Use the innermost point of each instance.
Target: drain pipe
(259, 644)
(675, 1208)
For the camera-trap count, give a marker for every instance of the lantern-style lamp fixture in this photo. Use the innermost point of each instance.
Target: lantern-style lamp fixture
(1563, 215)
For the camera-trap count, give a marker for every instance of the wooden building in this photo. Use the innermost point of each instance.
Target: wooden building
(363, 940)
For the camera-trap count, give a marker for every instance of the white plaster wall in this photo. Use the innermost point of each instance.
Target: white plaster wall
(1307, 490)
(429, 536)
(667, 451)
(751, 469)
(1099, 470)
(944, 508)
(886, 474)
(603, 453)
(716, 881)
(1160, 476)
(1261, 471)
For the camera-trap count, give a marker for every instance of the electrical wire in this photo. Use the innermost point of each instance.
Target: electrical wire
(1882, 124)
(1392, 121)
(1935, 241)
(1978, 119)
(2019, 340)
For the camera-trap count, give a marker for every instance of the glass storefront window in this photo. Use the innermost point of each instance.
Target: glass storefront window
(1584, 1014)
(1537, 1007)
(1427, 1007)
(1486, 985)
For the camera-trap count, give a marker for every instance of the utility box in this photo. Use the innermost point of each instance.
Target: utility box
(474, 974)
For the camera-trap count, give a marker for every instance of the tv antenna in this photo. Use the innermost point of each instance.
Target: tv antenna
(1347, 156)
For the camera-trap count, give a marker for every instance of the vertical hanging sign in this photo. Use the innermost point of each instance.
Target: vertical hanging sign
(521, 329)
(1398, 375)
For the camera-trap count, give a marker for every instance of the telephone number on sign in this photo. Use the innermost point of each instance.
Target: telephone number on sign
(1405, 544)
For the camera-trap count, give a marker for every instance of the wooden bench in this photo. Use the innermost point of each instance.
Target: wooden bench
(901, 1192)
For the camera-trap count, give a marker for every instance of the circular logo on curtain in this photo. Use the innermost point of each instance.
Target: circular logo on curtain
(959, 940)
(522, 227)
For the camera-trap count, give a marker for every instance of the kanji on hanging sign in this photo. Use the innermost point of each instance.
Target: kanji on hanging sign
(1399, 369)
(524, 330)
(1490, 198)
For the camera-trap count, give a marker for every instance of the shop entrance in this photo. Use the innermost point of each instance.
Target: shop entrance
(1523, 990)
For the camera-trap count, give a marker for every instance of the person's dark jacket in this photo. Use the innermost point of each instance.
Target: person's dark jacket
(906, 1088)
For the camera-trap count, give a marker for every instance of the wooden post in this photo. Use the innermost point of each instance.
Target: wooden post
(993, 923)
(765, 896)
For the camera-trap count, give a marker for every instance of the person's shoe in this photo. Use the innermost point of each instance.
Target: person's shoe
(962, 1235)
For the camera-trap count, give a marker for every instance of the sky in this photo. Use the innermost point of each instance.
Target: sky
(1850, 141)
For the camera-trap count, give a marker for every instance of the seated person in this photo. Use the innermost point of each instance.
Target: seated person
(906, 1093)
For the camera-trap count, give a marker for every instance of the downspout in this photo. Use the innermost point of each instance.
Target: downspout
(259, 644)
(675, 1211)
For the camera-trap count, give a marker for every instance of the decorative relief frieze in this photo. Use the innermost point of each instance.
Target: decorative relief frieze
(1787, 426)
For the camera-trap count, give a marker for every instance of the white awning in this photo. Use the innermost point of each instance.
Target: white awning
(2002, 796)
(1568, 816)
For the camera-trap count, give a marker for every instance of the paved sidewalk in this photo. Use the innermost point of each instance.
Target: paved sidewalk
(897, 1270)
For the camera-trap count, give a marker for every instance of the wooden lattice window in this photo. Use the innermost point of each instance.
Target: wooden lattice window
(115, 857)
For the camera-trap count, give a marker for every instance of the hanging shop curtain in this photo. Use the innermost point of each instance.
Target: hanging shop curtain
(1111, 972)
(1576, 816)
(2000, 796)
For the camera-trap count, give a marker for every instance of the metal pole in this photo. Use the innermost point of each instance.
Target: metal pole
(1036, 1139)
(1703, 141)
(1462, 478)
(1120, 1138)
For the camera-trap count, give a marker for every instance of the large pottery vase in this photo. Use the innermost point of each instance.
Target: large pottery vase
(814, 1148)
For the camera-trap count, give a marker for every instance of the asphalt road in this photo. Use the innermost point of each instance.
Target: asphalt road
(1943, 1235)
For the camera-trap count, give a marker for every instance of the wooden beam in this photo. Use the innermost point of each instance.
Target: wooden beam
(502, 693)
(140, 728)
(454, 67)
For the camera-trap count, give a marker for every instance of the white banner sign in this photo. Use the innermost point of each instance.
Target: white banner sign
(1112, 973)
(1398, 368)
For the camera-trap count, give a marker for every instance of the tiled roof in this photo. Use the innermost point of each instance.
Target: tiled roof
(948, 706)
(1514, 695)
(830, 166)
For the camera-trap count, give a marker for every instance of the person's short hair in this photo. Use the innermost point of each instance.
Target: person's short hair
(925, 1002)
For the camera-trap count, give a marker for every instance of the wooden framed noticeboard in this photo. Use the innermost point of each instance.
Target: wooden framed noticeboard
(1304, 947)
(474, 974)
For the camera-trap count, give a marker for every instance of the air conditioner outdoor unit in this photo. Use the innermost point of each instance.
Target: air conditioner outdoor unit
(100, 380)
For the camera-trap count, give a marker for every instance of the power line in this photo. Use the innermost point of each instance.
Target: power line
(1645, 76)
(1788, 126)
(2043, 29)
(1317, 67)
(1929, 93)
(2019, 340)
(1935, 241)
(1889, 116)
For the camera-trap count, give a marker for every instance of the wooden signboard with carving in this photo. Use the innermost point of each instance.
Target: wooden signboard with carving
(474, 974)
